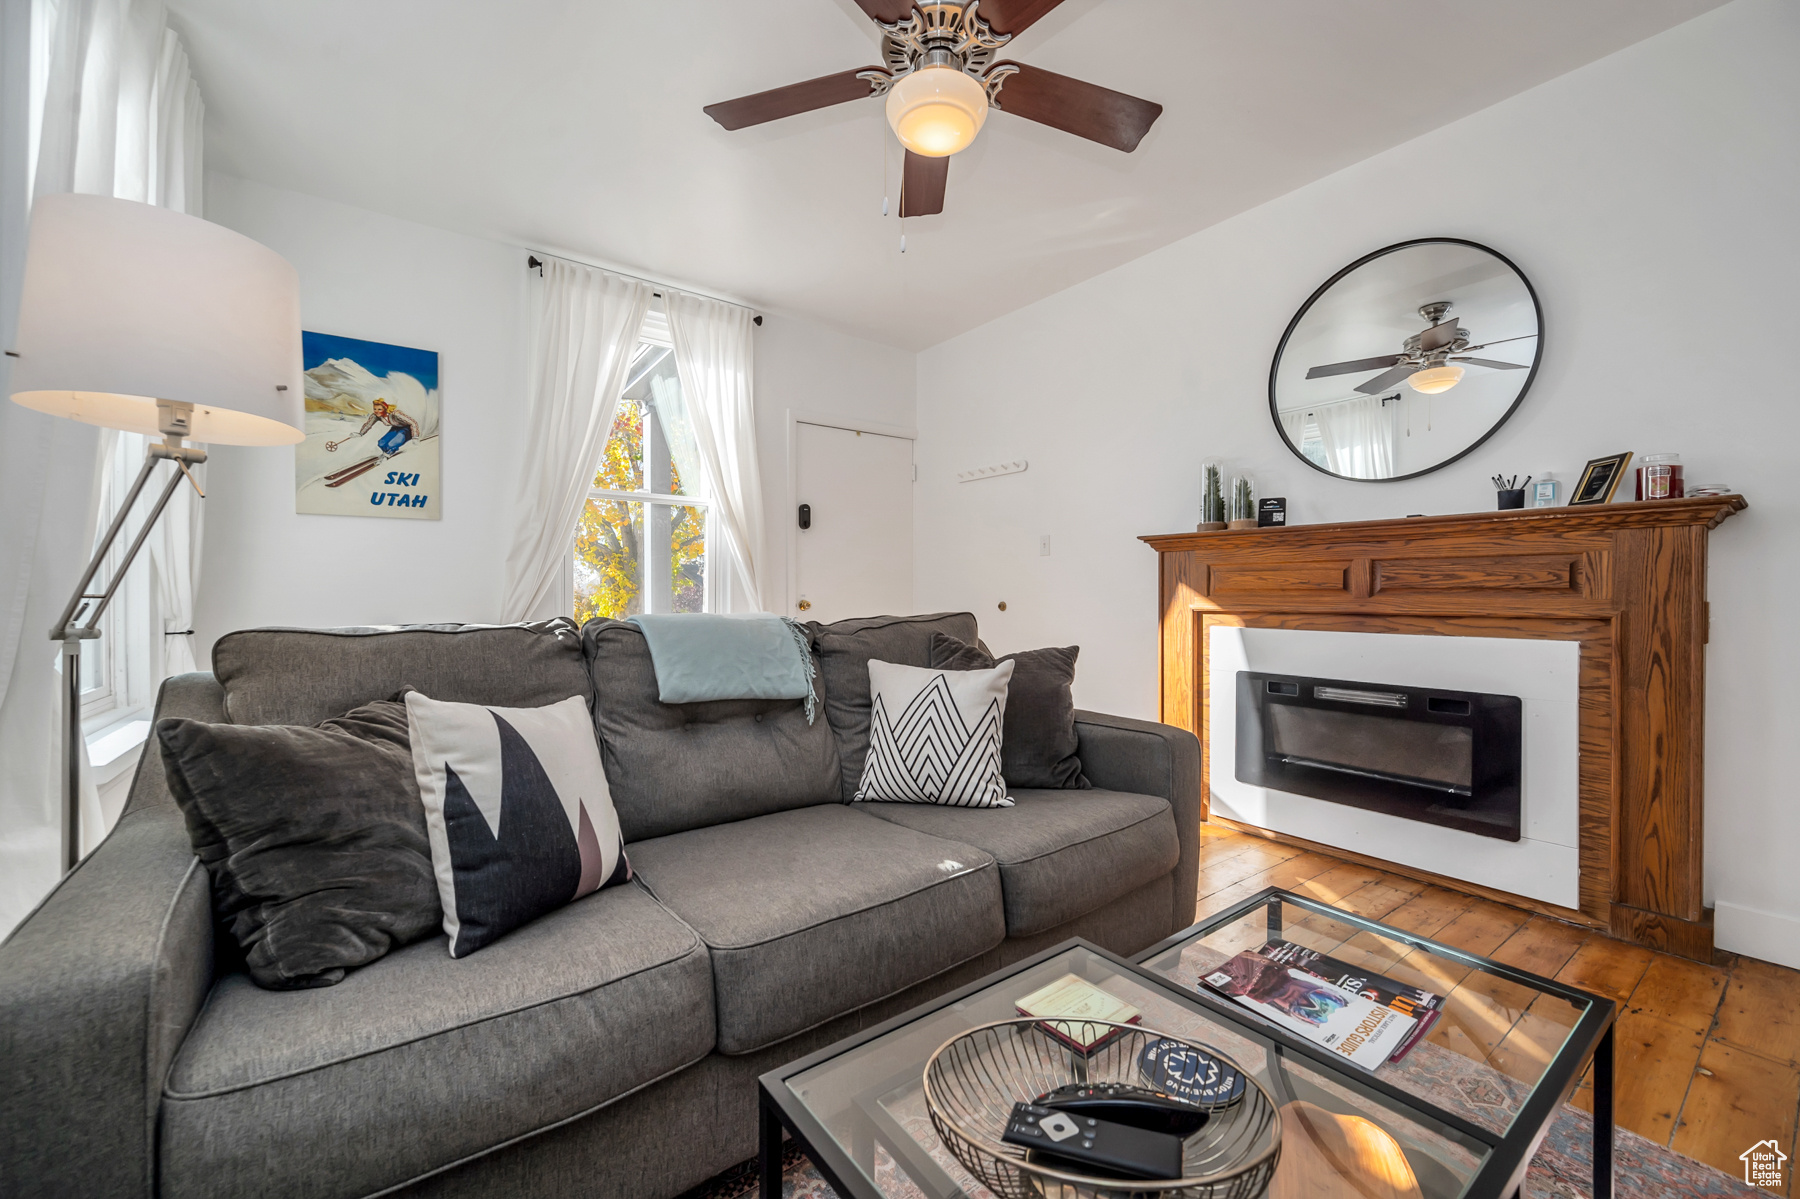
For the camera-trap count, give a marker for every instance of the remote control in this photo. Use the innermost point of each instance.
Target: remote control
(1122, 1103)
(1090, 1145)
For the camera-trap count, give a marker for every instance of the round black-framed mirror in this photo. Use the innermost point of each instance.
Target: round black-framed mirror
(1406, 360)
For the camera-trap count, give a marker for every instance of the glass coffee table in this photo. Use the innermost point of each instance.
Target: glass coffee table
(1467, 1105)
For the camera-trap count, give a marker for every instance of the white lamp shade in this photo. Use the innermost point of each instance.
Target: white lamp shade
(936, 111)
(126, 303)
(1437, 379)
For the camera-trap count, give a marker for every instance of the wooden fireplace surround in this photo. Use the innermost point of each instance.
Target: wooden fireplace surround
(1625, 581)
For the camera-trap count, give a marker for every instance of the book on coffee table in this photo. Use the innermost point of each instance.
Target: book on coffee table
(1363, 1032)
(1078, 1000)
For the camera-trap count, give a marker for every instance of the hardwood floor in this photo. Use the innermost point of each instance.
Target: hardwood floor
(1708, 1057)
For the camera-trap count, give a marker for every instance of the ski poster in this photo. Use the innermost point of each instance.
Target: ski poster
(371, 445)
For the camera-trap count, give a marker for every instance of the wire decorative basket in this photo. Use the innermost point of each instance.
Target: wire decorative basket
(973, 1080)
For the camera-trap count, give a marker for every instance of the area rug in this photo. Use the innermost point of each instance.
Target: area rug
(1563, 1169)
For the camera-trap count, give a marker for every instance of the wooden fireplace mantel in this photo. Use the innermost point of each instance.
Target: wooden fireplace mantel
(1625, 581)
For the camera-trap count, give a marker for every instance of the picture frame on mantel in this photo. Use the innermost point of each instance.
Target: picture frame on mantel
(1599, 479)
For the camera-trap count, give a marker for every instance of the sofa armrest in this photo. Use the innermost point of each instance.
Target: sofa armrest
(1122, 754)
(98, 987)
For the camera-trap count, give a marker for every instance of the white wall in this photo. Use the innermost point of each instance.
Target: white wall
(1653, 198)
(376, 277)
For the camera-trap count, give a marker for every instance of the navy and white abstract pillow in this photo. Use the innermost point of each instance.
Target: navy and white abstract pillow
(517, 808)
(934, 736)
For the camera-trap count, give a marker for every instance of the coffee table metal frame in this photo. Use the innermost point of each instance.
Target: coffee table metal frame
(1501, 1174)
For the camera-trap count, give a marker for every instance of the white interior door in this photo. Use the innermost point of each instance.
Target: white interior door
(855, 559)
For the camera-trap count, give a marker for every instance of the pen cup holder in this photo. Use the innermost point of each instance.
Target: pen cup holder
(973, 1080)
(1513, 497)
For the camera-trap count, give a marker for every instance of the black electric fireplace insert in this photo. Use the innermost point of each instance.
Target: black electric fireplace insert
(1444, 757)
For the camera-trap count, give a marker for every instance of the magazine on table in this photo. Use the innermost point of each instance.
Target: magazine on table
(1422, 1005)
(1363, 1032)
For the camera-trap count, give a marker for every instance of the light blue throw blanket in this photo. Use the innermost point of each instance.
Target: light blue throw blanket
(704, 657)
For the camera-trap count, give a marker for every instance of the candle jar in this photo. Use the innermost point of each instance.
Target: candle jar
(1659, 478)
(1212, 497)
(1241, 503)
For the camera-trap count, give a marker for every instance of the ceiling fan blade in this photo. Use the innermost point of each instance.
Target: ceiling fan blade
(1502, 341)
(1084, 109)
(1387, 379)
(1499, 366)
(887, 11)
(1438, 336)
(1006, 16)
(1351, 368)
(922, 182)
(791, 100)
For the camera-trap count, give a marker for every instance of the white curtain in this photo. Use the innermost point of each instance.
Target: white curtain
(714, 358)
(1293, 423)
(587, 330)
(111, 110)
(1362, 437)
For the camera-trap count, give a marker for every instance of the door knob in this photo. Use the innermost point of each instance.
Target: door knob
(805, 605)
(806, 516)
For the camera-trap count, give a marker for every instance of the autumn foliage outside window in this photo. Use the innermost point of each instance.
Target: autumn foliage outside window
(641, 543)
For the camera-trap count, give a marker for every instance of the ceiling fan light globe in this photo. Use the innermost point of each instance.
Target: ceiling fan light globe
(936, 111)
(1436, 379)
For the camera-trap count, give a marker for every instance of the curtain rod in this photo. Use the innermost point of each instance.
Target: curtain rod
(1331, 403)
(534, 263)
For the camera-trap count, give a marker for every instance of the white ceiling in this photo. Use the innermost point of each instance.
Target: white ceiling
(575, 125)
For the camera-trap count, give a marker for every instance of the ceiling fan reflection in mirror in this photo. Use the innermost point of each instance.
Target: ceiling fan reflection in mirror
(940, 76)
(1427, 360)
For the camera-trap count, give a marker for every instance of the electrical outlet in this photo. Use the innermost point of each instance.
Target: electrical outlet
(1044, 546)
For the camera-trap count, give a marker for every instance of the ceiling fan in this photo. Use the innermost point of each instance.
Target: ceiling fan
(1426, 358)
(939, 75)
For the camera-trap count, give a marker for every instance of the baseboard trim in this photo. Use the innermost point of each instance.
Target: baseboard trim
(1425, 876)
(1754, 933)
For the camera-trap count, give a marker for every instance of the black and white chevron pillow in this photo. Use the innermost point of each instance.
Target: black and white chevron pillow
(517, 810)
(934, 736)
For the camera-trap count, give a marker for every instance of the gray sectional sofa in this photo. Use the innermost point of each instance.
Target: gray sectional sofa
(611, 1048)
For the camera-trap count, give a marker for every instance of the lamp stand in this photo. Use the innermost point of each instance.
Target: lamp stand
(175, 422)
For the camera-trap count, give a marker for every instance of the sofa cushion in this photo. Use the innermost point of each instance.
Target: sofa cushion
(302, 676)
(844, 652)
(815, 912)
(681, 766)
(520, 817)
(418, 1060)
(934, 736)
(1041, 745)
(1062, 854)
(314, 838)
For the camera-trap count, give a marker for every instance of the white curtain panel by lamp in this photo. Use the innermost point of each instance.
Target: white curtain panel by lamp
(714, 357)
(112, 110)
(587, 328)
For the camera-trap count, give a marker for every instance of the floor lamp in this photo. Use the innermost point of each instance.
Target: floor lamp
(148, 320)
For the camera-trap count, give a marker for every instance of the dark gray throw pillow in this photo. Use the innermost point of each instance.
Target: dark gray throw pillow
(314, 838)
(845, 649)
(1037, 738)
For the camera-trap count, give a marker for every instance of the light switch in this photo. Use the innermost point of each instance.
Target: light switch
(1044, 546)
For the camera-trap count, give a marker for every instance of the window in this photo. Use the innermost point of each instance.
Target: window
(641, 543)
(1312, 444)
(116, 666)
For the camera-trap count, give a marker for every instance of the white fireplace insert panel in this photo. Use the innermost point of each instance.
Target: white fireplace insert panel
(1543, 864)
